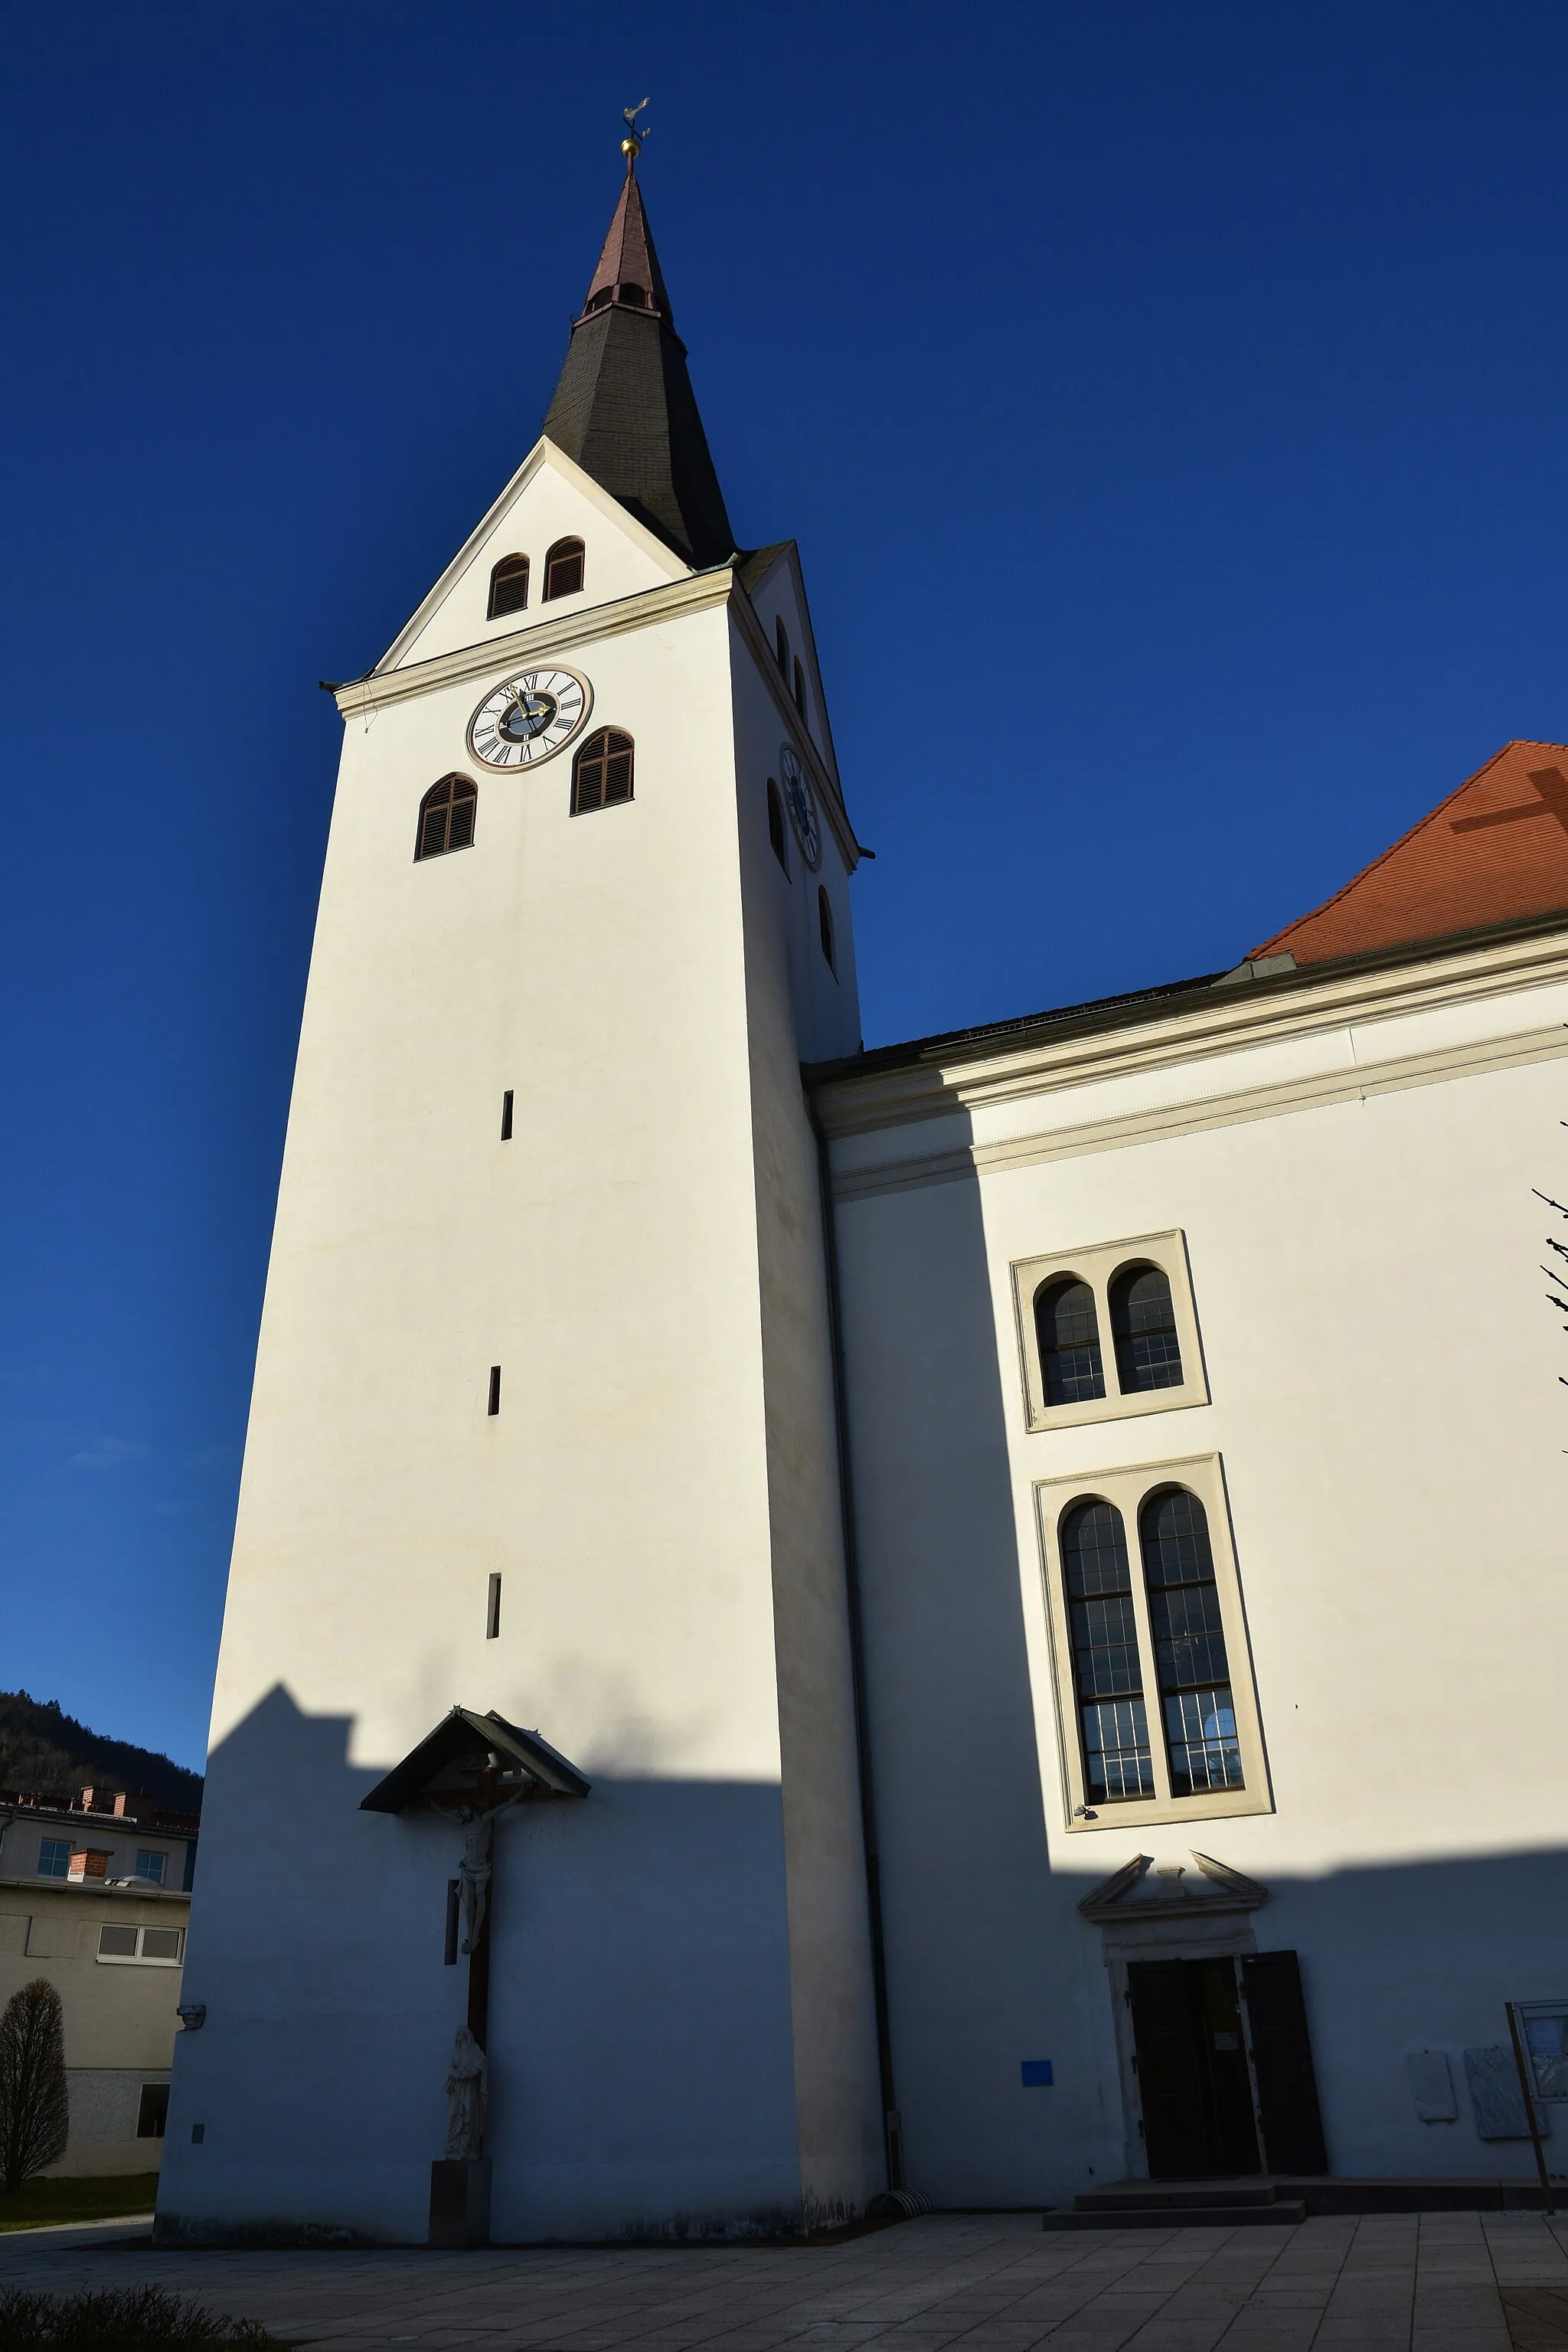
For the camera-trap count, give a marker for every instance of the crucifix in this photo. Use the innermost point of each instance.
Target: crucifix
(470, 1769)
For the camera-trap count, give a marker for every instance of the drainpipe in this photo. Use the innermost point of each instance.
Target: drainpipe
(891, 2124)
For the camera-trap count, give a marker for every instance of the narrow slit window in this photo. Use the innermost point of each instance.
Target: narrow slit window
(781, 645)
(1143, 1324)
(1189, 1644)
(563, 568)
(799, 687)
(1069, 1325)
(493, 1609)
(447, 817)
(778, 838)
(1108, 1676)
(506, 1116)
(494, 1406)
(602, 772)
(824, 927)
(508, 586)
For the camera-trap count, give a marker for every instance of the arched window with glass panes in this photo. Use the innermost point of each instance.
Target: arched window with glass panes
(1107, 1679)
(602, 772)
(1068, 1323)
(1143, 1326)
(1202, 1747)
(447, 817)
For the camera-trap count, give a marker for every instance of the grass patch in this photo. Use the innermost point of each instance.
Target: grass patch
(99, 2197)
(123, 2319)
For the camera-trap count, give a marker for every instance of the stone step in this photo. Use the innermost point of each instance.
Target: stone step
(1283, 2213)
(1176, 2192)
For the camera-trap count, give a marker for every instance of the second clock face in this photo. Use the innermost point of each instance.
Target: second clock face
(802, 808)
(527, 719)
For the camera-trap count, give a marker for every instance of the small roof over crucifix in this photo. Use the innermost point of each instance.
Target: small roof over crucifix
(473, 1760)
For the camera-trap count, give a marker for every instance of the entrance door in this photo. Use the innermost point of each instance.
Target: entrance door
(1192, 2068)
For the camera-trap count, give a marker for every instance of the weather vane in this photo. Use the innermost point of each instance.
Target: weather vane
(631, 145)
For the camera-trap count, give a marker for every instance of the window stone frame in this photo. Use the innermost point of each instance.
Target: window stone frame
(1203, 1476)
(1098, 1265)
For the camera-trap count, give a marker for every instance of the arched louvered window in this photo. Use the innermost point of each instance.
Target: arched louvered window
(563, 568)
(1189, 1644)
(824, 927)
(630, 291)
(508, 586)
(780, 645)
(799, 687)
(1143, 1324)
(1107, 1679)
(602, 772)
(1068, 1323)
(447, 817)
(777, 837)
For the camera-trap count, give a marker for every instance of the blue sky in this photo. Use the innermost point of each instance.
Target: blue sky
(1168, 402)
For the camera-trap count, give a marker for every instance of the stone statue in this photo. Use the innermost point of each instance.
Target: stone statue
(474, 1876)
(467, 2087)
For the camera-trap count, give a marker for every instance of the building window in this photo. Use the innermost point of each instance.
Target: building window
(1069, 1328)
(563, 568)
(778, 838)
(152, 1866)
(508, 586)
(799, 687)
(1139, 1290)
(602, 772)
(824, 927)
(55, 1858)
(1143, 1324)
(781, 645)
(146, 1947)
(152, 2116)
(1200, 1742)
(1157, 1711)
(447, 817)
(1113, 1720)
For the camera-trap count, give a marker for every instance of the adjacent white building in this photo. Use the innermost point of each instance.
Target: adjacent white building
(993, 1590)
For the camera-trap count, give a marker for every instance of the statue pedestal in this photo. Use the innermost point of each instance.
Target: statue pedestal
(460, 2201)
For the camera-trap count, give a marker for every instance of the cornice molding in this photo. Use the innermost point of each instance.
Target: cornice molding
(1216, 1023)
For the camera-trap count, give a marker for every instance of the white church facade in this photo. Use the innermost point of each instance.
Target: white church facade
(977, 1618)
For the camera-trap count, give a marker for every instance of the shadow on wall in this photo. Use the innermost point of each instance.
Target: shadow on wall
(640, 2032)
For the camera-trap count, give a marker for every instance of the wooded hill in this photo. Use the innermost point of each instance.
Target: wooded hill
(45, 1753)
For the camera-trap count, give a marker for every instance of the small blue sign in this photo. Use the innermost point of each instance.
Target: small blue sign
(1036, 2072)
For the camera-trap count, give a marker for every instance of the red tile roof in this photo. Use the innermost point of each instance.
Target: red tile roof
(1494, 852)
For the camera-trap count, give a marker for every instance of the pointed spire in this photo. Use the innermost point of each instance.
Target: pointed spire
(624, 407)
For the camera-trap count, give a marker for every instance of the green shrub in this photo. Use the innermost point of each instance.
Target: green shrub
(34, 2115)
(122, 2319)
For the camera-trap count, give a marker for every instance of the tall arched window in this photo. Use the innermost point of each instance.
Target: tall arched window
(563, 568)
(780, 645)
(447, 817)
(1106, 1677)
(777, 837)
(508, 586)
(602, 772)
(1069, 1325)
(824, 927)
(799, 687)
(1143, 1324)
(1189, 1644)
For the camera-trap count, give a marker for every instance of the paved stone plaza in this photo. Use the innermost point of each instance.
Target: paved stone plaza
(991, 2282)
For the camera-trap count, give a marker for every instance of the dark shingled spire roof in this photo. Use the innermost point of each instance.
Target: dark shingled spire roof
(625, 408)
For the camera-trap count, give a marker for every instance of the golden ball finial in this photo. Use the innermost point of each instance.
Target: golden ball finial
(631, 149)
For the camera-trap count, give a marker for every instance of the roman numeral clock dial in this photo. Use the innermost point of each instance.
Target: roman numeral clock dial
(530, 718)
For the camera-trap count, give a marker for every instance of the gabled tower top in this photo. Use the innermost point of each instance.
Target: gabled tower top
(624, 408)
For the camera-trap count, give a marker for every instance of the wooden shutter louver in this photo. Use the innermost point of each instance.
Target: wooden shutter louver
(601, 775)
(508, 586)
(447, 817)
(563, 568)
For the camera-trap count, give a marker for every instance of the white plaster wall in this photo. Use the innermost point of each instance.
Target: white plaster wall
(1384, 1397)
(647, 2040)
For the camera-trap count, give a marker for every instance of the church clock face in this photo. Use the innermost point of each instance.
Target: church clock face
(530, 718)
(802, 808)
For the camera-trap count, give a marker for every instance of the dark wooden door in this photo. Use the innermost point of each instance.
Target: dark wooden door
(1192, 2076)
(1283, 2059)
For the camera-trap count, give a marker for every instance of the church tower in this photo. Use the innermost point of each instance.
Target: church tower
(537, 1638)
